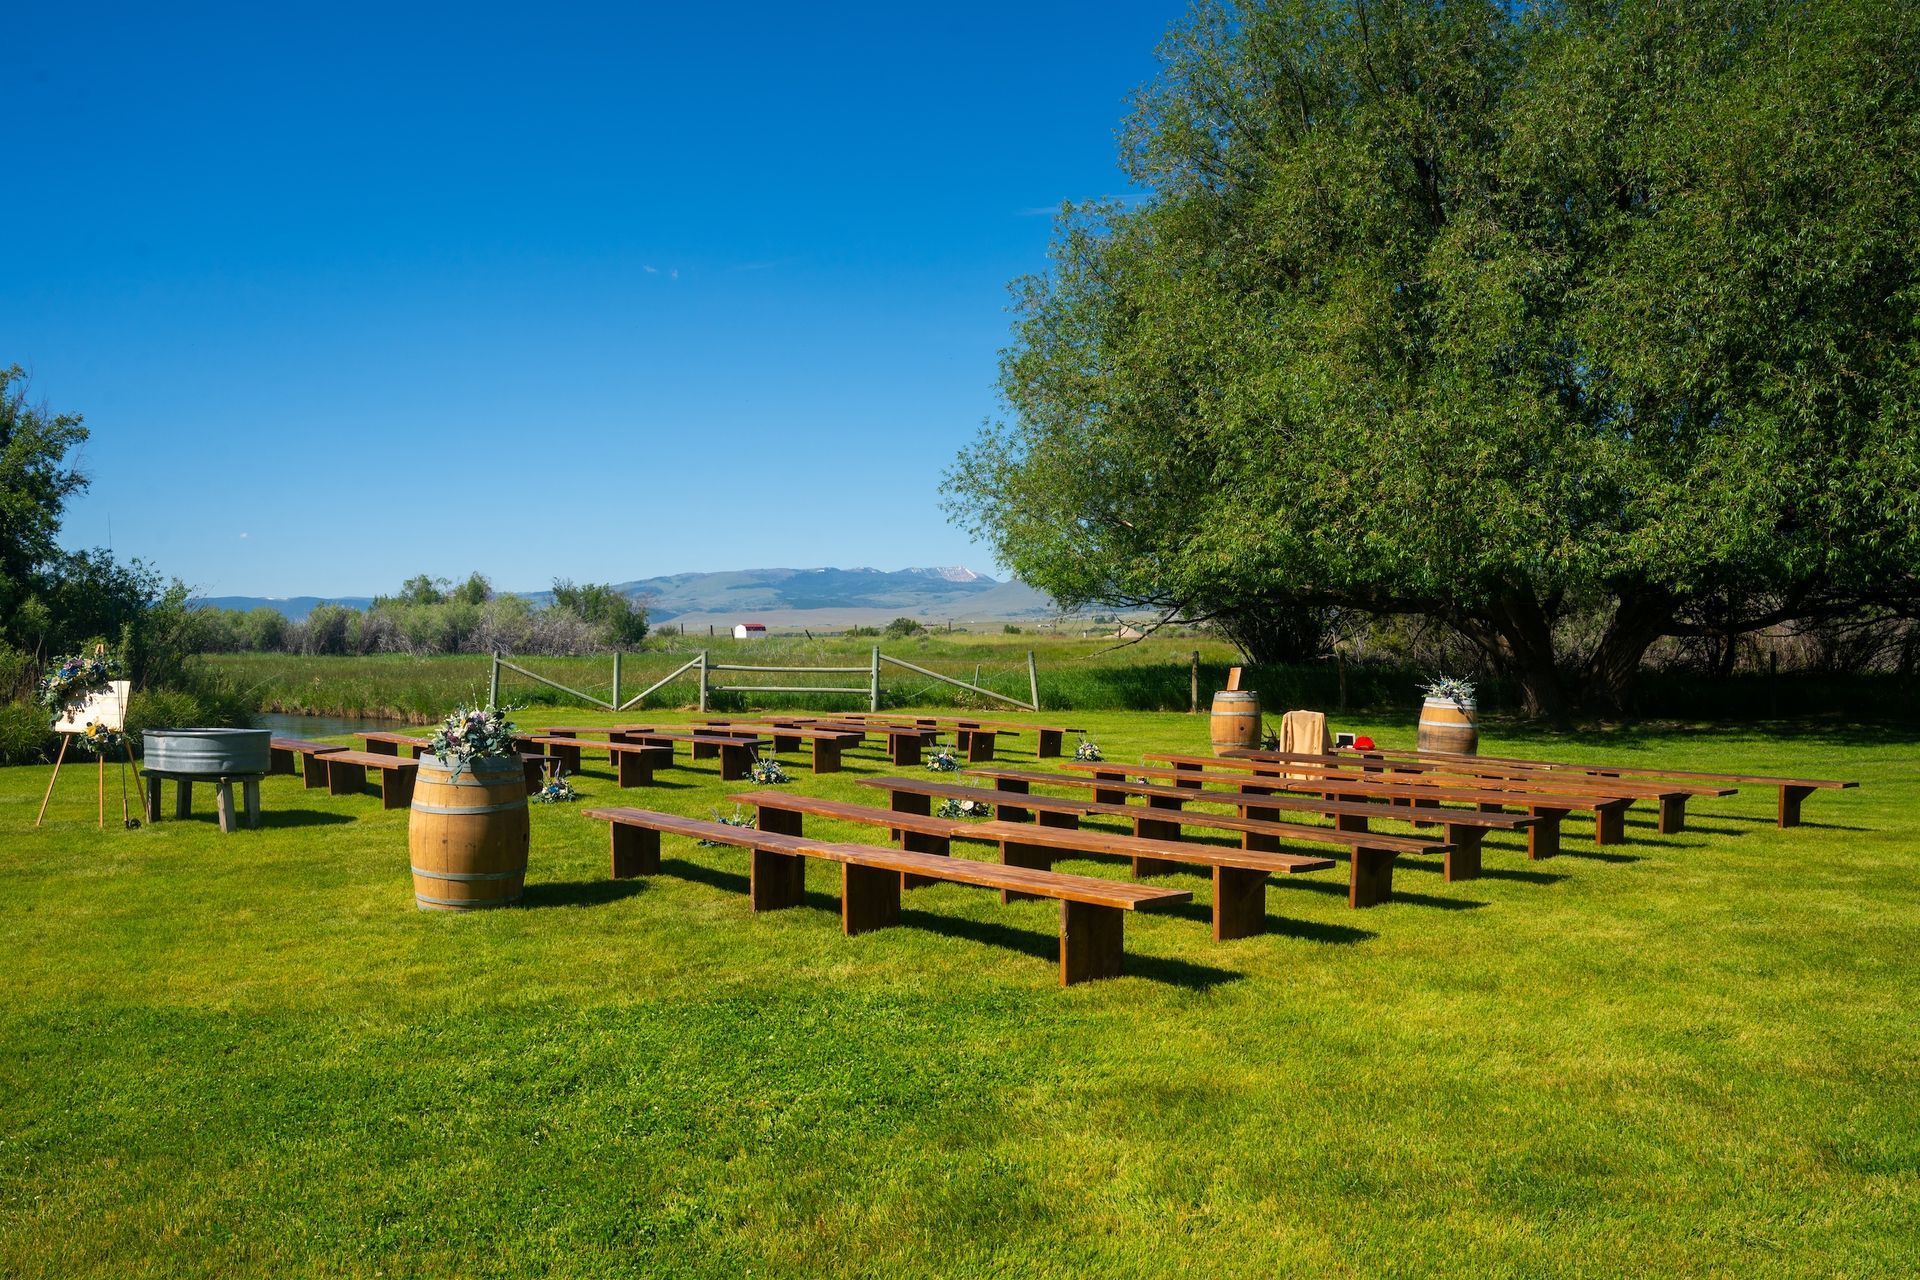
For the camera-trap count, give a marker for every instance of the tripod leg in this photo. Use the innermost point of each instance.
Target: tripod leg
(64, 740)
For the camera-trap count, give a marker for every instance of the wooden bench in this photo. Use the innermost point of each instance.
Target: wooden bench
(1370, 854)
(736, 754)
(1049, 738)
(905, 742)
(1543, 839)
(382, 742)
(282, 752)
(1792, 790)
(1091, 919)
(1239, 875)
(827, 744)
(633, 764)
(1111, 784)
(346, 773)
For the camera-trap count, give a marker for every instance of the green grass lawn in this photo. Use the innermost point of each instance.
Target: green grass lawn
(250, 1055)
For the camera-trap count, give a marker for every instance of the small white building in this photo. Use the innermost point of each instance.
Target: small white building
(749, 631)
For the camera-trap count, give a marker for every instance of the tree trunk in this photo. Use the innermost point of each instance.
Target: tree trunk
(1642, 616)
(1517, 630)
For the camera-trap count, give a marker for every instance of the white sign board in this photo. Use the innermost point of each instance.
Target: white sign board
(108, 708)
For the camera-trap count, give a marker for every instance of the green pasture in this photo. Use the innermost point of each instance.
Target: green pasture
(249, 1055)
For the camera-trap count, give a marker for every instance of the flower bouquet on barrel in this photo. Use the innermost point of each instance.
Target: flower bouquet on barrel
(468, 832)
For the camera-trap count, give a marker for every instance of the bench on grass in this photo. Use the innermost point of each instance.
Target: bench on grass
(1792, 790)
(633, 764)
(1370, 855)
(905, 742)
(1091, 919)
(1543, 839)
(1112, 784)
(736, 754)
(1239, 875)
(347, 775)
(388, 744)
(1049, 738)
(827, 743)
(282, 752)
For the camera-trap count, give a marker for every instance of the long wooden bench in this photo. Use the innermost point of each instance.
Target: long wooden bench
(1370, 854)
(1792, 790)
(826, 744)
(1543, 839)
(1239, 875)
(736, 754)
(1112, 784)
(633, 764)
(1049, 738)
(347, 775)
(386, 743)
(1091, 920)
(905, 742)
(283, 752)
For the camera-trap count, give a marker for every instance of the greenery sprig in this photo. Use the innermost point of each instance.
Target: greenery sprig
(474, 733)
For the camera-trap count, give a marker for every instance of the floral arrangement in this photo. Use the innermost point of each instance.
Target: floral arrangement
(559, 791)
(953, 808)
(1088, 751)
(474, 733)
(69, 680)
(1455, 689)
(739, 819)
(943, 761)
(98, 740)
(768, 772)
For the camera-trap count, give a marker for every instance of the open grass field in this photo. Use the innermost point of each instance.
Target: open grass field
(1688, 1055)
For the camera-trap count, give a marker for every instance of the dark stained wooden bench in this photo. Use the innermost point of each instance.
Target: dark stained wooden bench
(382, 742)
(905, 742)
(347, 775)
(1239, 875)
(1543, 839)
(1792, 790)
(283, 752)
(1370, 854)
(1091, 919)
(827, 744)
(633, 764)
(737, 754)
(1049, 738)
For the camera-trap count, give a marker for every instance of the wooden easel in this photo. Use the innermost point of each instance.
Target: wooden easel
(100, 761)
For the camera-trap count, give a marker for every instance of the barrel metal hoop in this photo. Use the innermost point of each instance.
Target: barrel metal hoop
(476, 903)
(469, 875)
(468, 808)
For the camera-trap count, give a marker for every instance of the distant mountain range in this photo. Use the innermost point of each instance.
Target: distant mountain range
(778, 597)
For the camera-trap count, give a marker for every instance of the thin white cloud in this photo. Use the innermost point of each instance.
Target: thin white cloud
(651, 270)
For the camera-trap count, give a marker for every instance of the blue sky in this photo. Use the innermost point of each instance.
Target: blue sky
(598, 293)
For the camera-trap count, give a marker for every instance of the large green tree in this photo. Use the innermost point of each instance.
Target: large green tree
(36, 479)
(1513, 315)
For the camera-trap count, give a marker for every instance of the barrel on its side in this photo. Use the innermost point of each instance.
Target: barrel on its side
(1236, 719)
(1449, 726)
(468, 835)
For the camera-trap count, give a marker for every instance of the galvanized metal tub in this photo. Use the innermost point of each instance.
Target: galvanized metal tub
(207, 753)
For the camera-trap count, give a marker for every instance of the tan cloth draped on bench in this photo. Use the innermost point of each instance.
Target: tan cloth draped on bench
(1305, 731)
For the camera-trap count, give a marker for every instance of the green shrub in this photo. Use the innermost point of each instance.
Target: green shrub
(25, 737)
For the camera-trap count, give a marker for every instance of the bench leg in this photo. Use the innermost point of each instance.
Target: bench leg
(223, 803)
(182, 798)
(346, 779)
(1091, 942)
(1463, 863)
(383, 748)
(1049, 744)
(778, 880)
(1033, 856)
(1673, 814)
(1543, 837)
(1490, 806)
(1153, 829)
(826, 756)
(979, 747)
(635, 769)
(280, 761)
(926, 842)
(1109, 797)
(904, 748)
(153, 798)
(250, 803)
(734, 763)
(1790, 798)
(703, 750)
(869, 898)
(1371, 880)
(314, 772)
(1239, 903)
(780, 822)
(636, 852)
(396, 788)
(963, 742)
(1350, 822)
(1610, 822)
(785, 743)
(569, 758)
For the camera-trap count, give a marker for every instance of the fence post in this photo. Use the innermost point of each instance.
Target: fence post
(703, 681)
(873, 694)
(1193, 688)
(1033, 680)
(616, 678)
(493, 683)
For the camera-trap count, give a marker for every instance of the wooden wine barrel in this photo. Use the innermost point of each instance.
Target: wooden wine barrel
(1447, 726)
(468, 836)
(1236, 719)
